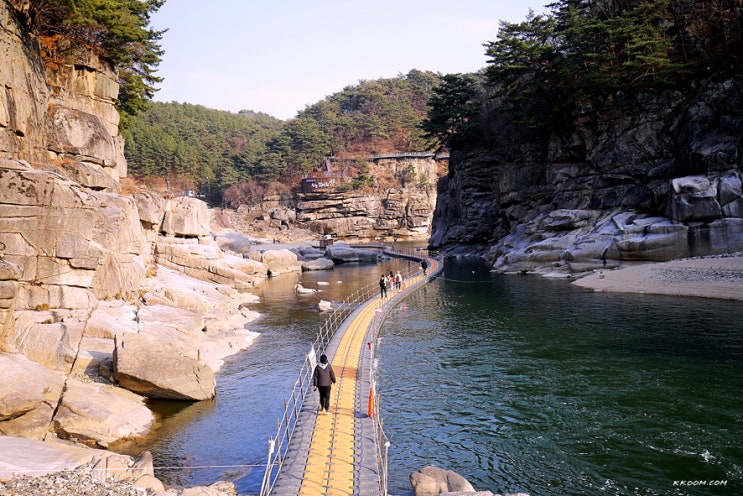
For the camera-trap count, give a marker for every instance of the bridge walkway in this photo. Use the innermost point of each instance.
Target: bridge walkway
(339, 454)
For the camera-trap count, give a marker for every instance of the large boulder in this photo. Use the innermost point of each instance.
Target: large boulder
(151, 209)
(100, 414)
(432, 481)
(695, 199)
(233, 241)
(27, 393)
(186, 217)
(280, 262)
(318, 264)
(308, 253)
(153, 367)
(343, 253)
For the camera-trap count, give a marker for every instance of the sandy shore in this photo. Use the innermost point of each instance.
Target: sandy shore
(709, 277)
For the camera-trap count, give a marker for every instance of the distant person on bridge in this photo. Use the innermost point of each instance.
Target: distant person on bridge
(398, 281)
(323, 378)
(383, 286)
(424, 266)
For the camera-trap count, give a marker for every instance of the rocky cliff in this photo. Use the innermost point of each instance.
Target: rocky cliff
(108, 294)
(649, 177)
(402, 213)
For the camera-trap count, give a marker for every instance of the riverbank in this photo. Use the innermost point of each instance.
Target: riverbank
(708, 277)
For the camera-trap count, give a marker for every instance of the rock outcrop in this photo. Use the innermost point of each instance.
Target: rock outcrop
(153, 367)
(434, 481)
(280, 261)
(648, 178)
(343, 253)
(19, 455)
(101, 282)
(33, 467)
(96, 414)
(318, 264)
(395, 214)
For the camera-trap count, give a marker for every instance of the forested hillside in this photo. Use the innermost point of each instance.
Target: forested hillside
(194, 147)
(213, 151)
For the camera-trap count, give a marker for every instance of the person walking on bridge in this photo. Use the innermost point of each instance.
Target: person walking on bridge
(323, 378)
(383, 286)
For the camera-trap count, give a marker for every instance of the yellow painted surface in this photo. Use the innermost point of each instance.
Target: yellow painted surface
(329, 470)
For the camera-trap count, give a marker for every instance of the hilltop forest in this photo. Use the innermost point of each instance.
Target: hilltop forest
(233, 155)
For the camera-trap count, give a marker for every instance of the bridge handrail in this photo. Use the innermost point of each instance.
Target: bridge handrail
(402, 155)
(382, 442)
(279, 443)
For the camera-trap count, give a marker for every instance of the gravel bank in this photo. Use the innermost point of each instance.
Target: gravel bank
(67, 484)
(80, 483)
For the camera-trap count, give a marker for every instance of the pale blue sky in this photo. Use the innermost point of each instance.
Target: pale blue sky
(278, 56)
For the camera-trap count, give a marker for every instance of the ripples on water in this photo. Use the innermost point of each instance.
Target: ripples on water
(526, 384)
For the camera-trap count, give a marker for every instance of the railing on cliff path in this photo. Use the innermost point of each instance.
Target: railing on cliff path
(435, 156)
(278, 445)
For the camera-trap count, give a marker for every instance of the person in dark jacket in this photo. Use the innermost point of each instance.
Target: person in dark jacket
(323, 378)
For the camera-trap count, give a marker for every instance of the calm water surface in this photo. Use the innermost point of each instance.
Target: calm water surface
(526, 384)
(518, 383)
(227, 438)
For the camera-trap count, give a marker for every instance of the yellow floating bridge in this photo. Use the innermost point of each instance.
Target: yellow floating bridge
(338, 454)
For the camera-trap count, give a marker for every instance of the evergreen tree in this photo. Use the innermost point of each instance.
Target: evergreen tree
(204, 147)
(118, 30)
(588, 49)
(454, 109)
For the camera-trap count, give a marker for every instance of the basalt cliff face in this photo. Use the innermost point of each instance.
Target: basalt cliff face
(652, 177)
(101, 284)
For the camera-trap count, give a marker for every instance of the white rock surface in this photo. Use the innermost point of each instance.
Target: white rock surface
(99, 414)
(280, 261)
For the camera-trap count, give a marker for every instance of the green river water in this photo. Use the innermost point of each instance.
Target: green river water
(518, 383)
